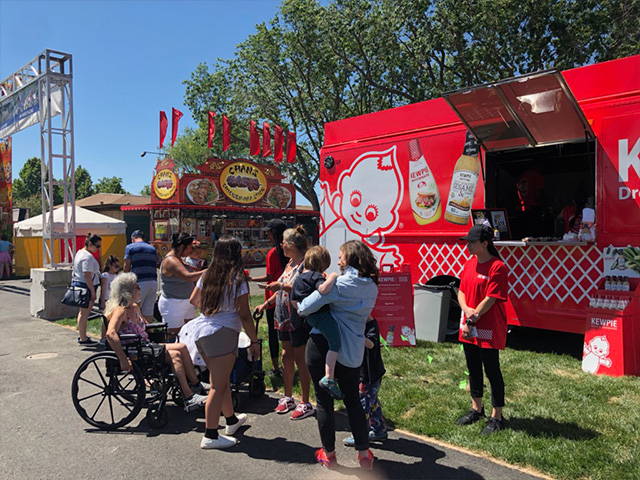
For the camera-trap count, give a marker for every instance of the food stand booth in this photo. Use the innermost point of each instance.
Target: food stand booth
(235, 197)
(551, 161)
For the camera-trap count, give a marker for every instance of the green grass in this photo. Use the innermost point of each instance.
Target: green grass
(563, 422)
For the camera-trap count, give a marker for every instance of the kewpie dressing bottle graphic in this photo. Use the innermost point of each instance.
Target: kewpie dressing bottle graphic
(389, 338)
(463, 183)
(425, 197)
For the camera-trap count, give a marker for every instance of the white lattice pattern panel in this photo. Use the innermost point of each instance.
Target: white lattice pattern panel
(535, 271)
(560, 272)
(441, 259)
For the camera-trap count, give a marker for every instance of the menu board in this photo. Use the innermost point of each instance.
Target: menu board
(394, 307)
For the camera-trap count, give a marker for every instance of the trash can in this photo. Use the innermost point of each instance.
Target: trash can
(435, 309)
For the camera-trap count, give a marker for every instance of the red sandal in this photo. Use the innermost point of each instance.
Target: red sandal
(366, 463)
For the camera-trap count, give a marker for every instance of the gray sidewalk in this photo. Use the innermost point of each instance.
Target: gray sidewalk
(42, 436)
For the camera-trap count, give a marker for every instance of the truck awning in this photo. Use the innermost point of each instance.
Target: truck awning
(527, 111)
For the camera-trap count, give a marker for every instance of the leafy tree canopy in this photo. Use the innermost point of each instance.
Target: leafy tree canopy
(84, 184)
(109, 185)
(28, 182)
(314, 63)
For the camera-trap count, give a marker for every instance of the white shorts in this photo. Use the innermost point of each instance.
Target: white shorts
(148, 293)
(175, 311)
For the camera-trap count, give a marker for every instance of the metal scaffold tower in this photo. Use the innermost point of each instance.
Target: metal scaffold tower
(46, 85)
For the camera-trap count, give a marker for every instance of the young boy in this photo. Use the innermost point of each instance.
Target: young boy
(372, 371)
(316, 261)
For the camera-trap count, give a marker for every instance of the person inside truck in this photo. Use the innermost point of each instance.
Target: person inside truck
(483, 328)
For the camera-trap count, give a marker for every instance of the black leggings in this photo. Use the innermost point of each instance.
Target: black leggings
(489, 358)
(274, 344)
(348, 379)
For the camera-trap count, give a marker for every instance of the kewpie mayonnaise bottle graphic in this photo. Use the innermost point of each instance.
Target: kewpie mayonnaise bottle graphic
(425, 197)
(463, 183)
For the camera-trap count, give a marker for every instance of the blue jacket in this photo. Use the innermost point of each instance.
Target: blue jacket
(351, 300)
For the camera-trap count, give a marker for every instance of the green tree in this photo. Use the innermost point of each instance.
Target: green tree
(315, 63)
(27, 190)
(84, 184)
(146, 190)
(28, 182)
(109, 185)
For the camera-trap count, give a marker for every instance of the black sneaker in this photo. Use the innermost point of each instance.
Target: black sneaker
(472, 416)
(493, 425)
(88, 341)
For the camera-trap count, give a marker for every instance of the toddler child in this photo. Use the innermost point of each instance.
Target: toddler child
(316, 261)
(109, 273)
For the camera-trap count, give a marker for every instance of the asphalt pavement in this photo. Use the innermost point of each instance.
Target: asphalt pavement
(42, 436)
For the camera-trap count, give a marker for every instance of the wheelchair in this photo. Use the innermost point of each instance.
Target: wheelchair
(108, 398)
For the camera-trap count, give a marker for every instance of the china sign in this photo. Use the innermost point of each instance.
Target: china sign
(165, 184)
(243, 183)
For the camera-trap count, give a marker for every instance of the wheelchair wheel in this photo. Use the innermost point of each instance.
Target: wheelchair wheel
(157, 418)
(104, 396)
(177, 396)
(235, 400)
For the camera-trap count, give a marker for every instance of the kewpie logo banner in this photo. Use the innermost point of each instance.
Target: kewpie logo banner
(367, 200)
(618, 173)
(383, 191)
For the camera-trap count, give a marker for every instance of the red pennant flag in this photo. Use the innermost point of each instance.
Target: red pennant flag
(291, 147)
(163, 127)
(212, 129)
(254, 139)
(176, 115)
(266, 139)
(278, 141)
(226, 133)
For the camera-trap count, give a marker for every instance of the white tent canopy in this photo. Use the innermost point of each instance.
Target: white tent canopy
(87, 221)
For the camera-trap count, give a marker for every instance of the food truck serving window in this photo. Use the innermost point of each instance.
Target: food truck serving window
(528, 111)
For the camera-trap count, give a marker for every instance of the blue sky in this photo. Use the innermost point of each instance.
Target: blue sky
(129, 60)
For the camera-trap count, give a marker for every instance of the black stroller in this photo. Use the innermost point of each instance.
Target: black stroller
(247, 373)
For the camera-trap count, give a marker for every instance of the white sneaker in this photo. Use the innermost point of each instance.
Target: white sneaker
(196, 401)
(231, 429)
(218, 443)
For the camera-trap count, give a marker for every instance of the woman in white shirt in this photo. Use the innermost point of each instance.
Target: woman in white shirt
(222, 295)
(86, 274)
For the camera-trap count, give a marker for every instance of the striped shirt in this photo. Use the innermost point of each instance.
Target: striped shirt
(143, 260)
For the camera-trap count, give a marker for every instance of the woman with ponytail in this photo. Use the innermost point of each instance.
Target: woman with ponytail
(483, 327)
(176, 284)
(292, 330)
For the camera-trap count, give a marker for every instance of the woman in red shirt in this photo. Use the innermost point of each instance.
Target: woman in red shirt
(276, 261)
(483, 327)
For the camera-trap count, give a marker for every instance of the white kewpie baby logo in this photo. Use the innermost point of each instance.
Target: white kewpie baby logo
(367, 200)
(595, 354)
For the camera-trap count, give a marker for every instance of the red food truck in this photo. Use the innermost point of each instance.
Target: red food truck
(551, 161)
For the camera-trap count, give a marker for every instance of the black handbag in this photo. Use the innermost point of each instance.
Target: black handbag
(77, 297)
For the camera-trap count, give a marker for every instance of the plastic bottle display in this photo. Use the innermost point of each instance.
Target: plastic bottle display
(425, 197)
(463, 183)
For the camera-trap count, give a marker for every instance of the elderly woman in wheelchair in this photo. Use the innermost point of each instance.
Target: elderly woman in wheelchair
(125, 317)
(110, 388)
